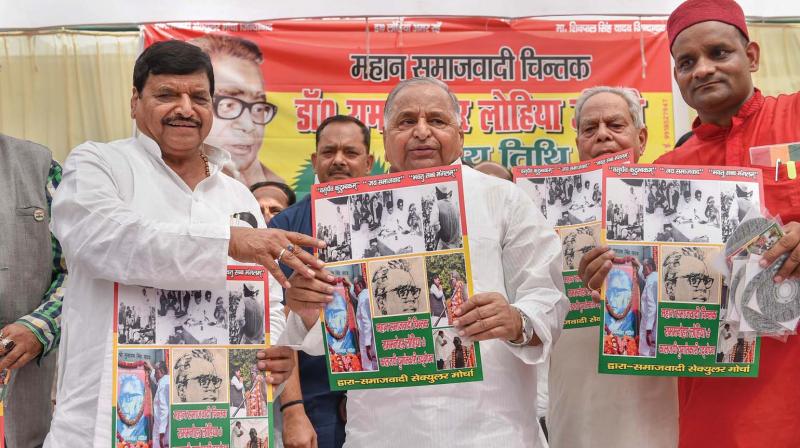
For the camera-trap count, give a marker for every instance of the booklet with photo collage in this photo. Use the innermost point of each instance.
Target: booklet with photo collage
(185, 365)
(569, 196)
(398, 247)
(665, 300)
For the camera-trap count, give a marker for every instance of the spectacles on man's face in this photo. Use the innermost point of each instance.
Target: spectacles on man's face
(231, 108)
(407, 292)
(208, 381)
(697, 280)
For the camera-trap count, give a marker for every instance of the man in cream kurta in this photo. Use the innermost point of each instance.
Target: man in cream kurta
(516, 269)
(588, 409)
(155, 211)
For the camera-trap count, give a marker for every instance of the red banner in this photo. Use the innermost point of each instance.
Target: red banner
(516, 80)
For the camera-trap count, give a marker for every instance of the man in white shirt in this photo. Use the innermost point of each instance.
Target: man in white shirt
(155, 211)
(160, 375)
(588, 409)
(649, 308)
(516, 313)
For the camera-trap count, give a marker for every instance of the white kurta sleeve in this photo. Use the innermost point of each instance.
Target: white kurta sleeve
(532, 263)
(101, 234)
(299, 337)
(277, 319)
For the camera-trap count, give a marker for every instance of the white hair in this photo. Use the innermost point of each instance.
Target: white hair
(387, 107)
(626, 93)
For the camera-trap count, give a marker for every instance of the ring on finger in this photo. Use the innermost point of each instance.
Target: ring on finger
(7, 344)
(290, 248)
(280, 255)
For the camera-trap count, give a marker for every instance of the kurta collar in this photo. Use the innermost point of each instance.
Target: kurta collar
(706, 131)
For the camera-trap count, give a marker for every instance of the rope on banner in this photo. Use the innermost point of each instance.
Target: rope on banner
(641, 50)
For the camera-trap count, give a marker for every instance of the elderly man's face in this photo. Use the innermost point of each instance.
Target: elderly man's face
(606, 126)
(175, 111)
(203, 383)
(341, 153)
(712, 68)
(692, 282)
(241, 136)
(422, 129)
(272, 201)
(402, 295)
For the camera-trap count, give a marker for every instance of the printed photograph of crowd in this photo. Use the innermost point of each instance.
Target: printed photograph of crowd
(170, 317)
(447, 291)
(248, 385)
(250, 433)
(566, 200)
(630, 318)
(699, 211)
(348, 322)
(333, 227)
(624, 209)
(451, 350)
(402, 221)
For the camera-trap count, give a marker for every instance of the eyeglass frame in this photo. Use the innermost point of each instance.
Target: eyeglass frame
(245, 105)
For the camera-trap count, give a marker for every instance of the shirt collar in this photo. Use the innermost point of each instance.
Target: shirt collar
(705, 131)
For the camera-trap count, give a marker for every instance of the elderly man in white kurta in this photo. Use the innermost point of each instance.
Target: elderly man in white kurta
(156, 211)
(589, 409)
(516, 313)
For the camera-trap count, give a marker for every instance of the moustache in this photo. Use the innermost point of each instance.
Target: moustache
(181, 120)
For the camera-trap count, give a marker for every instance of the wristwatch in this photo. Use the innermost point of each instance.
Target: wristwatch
(527, 330)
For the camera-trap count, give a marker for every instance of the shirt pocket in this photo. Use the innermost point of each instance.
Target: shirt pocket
(781, 196)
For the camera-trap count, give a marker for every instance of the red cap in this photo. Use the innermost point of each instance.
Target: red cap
(692, 12)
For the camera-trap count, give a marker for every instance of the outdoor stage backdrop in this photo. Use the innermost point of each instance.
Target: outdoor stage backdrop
(516, 80)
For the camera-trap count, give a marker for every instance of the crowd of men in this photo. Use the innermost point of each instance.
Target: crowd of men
(194, 155)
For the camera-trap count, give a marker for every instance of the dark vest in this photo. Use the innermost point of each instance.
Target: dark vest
(25, 252)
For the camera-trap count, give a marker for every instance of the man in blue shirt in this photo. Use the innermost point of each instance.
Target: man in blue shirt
(311, 412)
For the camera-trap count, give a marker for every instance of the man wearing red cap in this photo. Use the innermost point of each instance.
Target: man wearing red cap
(714, 60)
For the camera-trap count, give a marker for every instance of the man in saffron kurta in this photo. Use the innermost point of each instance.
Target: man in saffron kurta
(714, 60)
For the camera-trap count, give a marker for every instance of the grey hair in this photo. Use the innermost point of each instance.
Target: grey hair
(387, 107)
(626, 93)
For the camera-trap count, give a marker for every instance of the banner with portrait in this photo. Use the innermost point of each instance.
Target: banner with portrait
(666, 302)
(185, 371)
(516, 80)
(569, 197)
(397, 245)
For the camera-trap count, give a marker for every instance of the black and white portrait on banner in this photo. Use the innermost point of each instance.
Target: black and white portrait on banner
(398, 286)
(577, 242)
(200, 375)
(625, 209)
(333, 227)
(136, 315)
(688, 275)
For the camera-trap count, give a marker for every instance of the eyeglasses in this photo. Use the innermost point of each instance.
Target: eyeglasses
(698, 280)
(208, 381)
(406, 292)
(231, 108)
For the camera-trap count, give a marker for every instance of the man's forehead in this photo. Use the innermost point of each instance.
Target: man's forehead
(193, 81)
(340, 131)
(711, 33)
(422, 97)
(606, 106)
